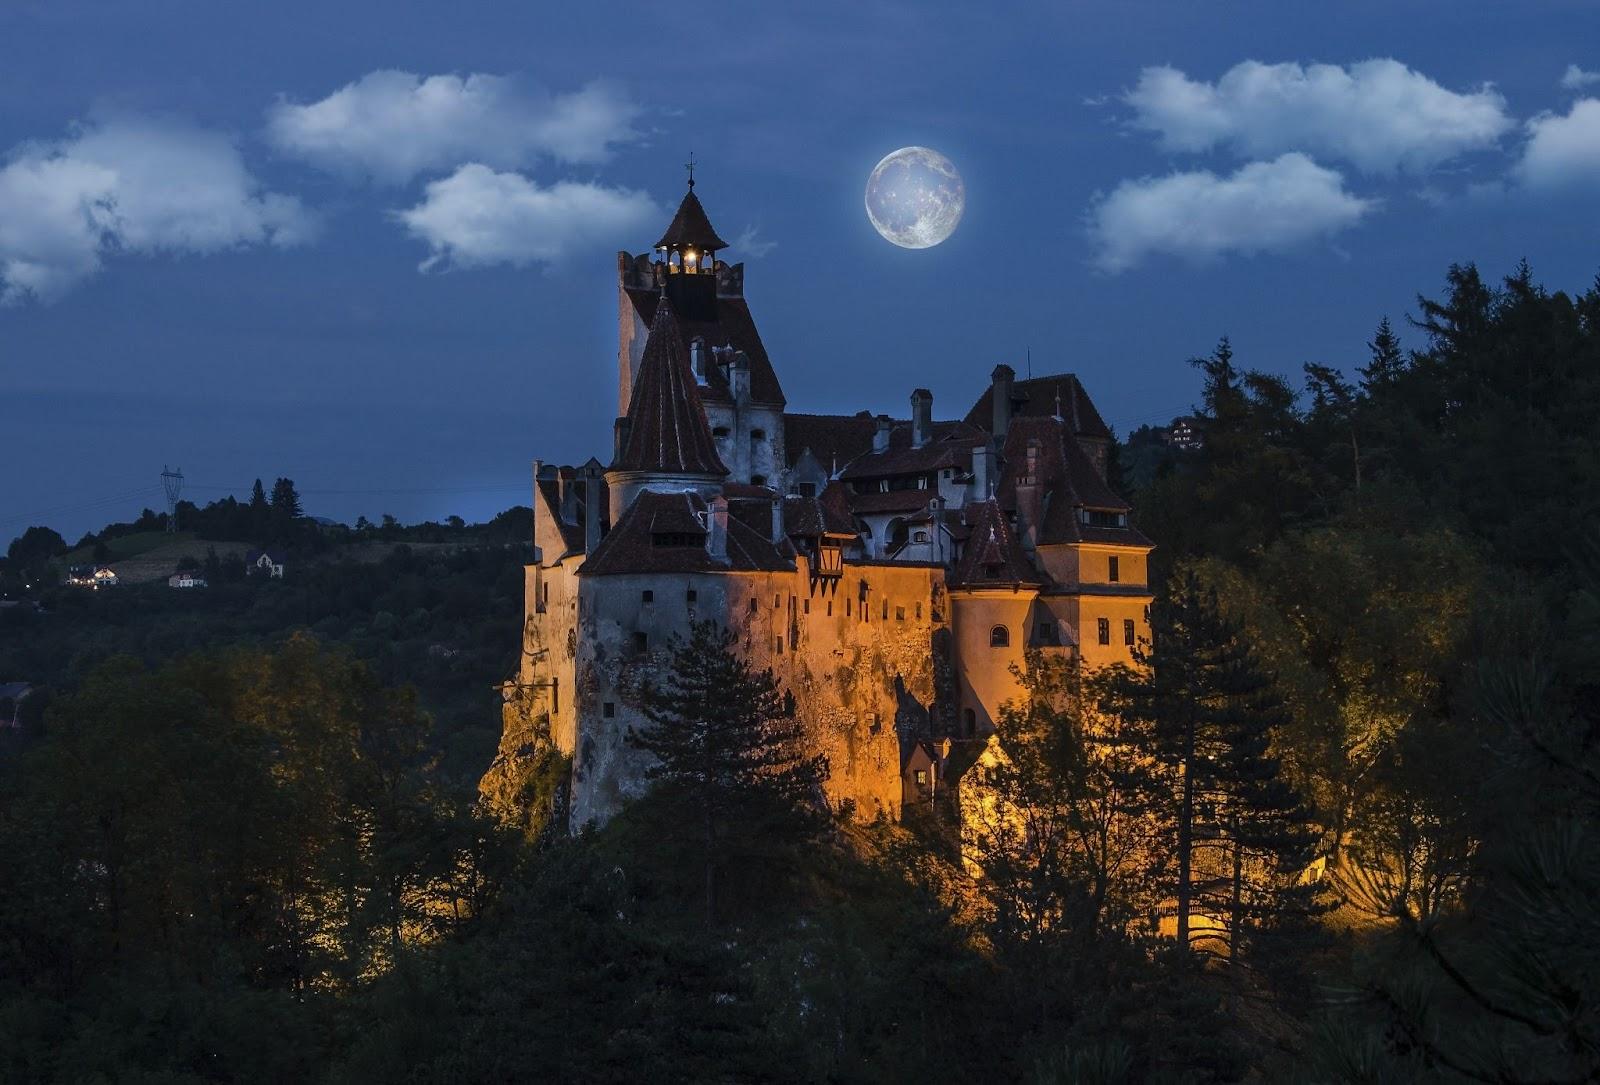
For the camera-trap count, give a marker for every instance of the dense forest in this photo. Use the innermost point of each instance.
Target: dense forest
(1342, 825)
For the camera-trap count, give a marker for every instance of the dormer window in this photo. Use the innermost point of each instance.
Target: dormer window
(1102, 518)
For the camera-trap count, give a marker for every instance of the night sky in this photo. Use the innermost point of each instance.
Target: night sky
(371, 246)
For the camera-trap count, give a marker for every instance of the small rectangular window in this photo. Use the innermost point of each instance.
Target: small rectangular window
(847, 606)
(830, 608)
(807, 606)
(555, 695)
(641, 642)
(899, 614)
(919, 612)
(777, 645)
(752, 606)
(1113, 569)
(886, 610)
(1105, 630)
(608, 710)
(922, 777)
(691, 596)
(777, 601)
(1128, 636)
(647, 596)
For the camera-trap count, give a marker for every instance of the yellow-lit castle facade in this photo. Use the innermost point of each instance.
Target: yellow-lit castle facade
(892, 572)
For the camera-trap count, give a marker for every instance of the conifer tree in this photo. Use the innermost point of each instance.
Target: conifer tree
(729, 756)
(1204, 712)
(1387, 362)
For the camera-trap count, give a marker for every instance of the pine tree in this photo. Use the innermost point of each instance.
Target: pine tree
(1387, 362)
(285, 502)
(728, 754)
(1204, 712)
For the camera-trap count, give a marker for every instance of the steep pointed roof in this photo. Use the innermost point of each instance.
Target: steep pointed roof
(690, 226)
(993, 558)
(667, 429)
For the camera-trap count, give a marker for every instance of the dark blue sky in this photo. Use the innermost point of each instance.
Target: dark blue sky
(211, 263)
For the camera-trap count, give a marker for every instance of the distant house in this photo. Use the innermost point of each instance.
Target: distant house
(264, 563)
(188, 579)
(92, 576)
(12, 694)
(1184, 434)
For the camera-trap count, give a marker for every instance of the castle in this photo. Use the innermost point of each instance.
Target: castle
(891, 572)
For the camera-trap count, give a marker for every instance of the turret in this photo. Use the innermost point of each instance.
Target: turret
(687, 260)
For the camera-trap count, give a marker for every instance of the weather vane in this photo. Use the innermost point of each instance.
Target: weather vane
(689, 165)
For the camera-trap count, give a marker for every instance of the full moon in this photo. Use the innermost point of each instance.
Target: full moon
(915, 197)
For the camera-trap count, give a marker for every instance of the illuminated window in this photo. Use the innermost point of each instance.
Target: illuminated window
(1105, 630)
(999, 637)
(922, 777)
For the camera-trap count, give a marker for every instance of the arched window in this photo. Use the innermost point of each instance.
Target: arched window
(999, 637)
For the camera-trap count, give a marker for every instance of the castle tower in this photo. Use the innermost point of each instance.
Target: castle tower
(687, 253)
(663, 443)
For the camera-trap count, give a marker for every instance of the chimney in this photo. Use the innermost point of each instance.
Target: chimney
(880, 436)
(983, 471)
(591, 508)
(1002, 377)
(717, 529)
(921, 417)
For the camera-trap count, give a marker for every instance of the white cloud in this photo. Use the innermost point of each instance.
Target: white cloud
(749, 243)
(1576, 78)
(129, 184)
(477, 217)
(1378, 115)
(1563, 151)
(1263, 207)
(391, 125)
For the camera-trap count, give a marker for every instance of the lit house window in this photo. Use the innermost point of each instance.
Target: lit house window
(1105, 630)
(1000, 637)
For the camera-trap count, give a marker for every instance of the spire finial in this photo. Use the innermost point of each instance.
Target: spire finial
(689, 165)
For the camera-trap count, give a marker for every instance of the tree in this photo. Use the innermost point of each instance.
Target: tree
(1204, 712)
(285, 502)
(1387, 362)
(34, 547)
(728, 755)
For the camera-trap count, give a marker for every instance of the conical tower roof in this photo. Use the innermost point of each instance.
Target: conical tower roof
(993, 557)
(667, 429)
(690, 227)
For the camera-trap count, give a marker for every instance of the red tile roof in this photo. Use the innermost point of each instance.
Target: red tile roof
(690, 226)
(893, 501)
(950, 445)
(1038, 396)
(834, 439)
(667, 429)
(1067, 480)
(992, 556)
(734, 327)
(630, 546)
